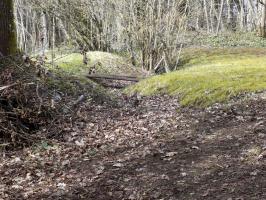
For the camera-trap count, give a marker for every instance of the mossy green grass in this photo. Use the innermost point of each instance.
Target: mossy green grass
(210, 76)
(103, 62)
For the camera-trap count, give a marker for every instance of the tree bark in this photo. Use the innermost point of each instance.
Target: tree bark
(206, 15)
(220, 17)
(43, 34)
(262, 26)
(8, 39)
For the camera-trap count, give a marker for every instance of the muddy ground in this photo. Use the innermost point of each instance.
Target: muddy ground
(151, 149)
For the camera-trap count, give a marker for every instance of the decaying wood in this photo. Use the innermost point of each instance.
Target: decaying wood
(6, 87)
(12, 85)
(114, 77)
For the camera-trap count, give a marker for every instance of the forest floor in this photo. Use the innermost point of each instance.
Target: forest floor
(154, 150)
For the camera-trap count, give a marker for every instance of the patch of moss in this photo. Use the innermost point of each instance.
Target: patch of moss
(211, 75)
(103, 62)
(72, 64)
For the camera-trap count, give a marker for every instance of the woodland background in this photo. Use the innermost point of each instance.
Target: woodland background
(187, 120)
(152, 32)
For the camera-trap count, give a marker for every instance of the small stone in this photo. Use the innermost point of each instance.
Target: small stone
(118, 165)
(195, 147)
(183, 174)
(171, 154)
(61, 186)
(255, 173)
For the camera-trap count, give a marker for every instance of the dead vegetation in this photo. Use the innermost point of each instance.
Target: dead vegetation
(36, 103)
(21, 105)
(88, 146)
(149, 151)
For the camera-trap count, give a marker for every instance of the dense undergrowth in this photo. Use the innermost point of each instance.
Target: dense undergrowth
(211, 75)
(230, 39)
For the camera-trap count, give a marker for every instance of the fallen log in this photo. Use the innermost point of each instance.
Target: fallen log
(114, 77)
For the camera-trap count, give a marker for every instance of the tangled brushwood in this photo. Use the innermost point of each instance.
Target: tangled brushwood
(30, 103)
(23, 103)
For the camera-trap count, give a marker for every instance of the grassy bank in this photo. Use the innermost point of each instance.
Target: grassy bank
(211, 75)
(102, 62)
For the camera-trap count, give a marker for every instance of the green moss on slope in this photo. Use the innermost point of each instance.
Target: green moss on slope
(211, 75)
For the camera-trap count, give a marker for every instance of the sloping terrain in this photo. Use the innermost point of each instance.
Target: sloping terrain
(147, 152)
(211, 75)
(148, 148)
(101, 62)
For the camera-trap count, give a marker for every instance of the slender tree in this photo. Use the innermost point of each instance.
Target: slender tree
(262, 27)
(8, 43)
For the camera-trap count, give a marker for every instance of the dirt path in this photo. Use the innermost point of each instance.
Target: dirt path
(155, 150)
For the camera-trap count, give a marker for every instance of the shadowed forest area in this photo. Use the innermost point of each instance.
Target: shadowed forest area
(133, 99)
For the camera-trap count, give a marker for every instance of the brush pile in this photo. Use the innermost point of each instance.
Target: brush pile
(30, 103)
(24, 106)
(38, 104)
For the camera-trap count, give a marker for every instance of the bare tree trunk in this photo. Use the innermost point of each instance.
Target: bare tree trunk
(8, 39)
(212, 16)
(229, 15)
(262, 26)
(43, 34)
(220, 17)
(53, 40)
(242, 15)
(251, 16)
(206, 15)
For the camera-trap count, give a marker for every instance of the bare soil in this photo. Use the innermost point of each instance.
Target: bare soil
(147, 149)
